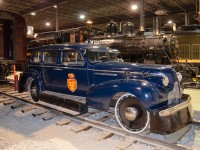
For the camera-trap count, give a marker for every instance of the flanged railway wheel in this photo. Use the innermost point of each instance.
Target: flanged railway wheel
(32, 90)
(131, 115)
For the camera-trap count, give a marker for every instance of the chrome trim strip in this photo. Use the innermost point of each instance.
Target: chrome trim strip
(133, 73)
(106, 74)
(59, 67)
(172, 110)
(107, 71)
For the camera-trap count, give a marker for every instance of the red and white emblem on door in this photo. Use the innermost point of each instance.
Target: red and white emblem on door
(71, 82)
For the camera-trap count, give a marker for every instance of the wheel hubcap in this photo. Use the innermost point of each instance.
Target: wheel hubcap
(131, 113)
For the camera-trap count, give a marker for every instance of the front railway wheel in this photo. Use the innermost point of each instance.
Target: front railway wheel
(131, 115)
(32, 90)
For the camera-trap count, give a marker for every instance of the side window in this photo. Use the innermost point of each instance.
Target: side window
(36, 57)
(50, 57)
(71, 57)
(91, 56)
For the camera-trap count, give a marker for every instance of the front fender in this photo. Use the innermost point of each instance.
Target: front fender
(100, 95)
(22, 84)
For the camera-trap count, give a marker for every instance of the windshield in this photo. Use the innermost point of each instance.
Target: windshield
(94, 57)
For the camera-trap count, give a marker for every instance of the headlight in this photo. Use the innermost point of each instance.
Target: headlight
(165, 81)
(179, 75)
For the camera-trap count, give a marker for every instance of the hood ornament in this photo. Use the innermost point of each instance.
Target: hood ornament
(127, 74)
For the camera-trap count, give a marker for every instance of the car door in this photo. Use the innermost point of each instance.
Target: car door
(35, 62)
(50, 68)
(72, 73)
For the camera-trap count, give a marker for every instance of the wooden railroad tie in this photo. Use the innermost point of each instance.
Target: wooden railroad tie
(15, 94)
(63, 122)
(39, 112)
(50, 116)
(105, 118)
(23, 96)
(20, 94)
(127, 142)
(103, 135)
(9, 102)
(81, 127)
(11, 92)
(5, 89)
(91, 113)
(4, 99)
(28, 108)
(17, 105)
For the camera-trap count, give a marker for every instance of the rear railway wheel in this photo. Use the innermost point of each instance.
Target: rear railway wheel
(32, 90)
(130, 114)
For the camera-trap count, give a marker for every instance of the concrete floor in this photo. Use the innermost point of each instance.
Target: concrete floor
(195, 94)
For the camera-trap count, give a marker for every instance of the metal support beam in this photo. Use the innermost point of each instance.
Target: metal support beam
(142, 15)
(57, 19)
(187, 20)
(156, 25)
(175, 3)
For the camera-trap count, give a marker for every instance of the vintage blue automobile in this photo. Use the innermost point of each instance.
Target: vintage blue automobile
(78, 76)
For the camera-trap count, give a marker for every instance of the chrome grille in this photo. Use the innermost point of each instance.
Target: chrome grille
(174, 95)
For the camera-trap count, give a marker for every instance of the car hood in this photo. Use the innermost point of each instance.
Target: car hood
(130, 67)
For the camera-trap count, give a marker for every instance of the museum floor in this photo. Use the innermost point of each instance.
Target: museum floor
(195, 94)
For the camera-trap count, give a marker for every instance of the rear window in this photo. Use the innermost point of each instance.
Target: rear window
(36, 57)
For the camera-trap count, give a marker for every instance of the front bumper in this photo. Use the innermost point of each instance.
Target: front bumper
(169, 120)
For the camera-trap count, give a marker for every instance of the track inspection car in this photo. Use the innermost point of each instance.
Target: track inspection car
(78, 76)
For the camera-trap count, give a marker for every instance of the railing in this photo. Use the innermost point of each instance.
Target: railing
(191, 52)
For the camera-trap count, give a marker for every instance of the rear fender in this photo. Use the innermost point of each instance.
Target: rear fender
(23, 80)
(100, 96)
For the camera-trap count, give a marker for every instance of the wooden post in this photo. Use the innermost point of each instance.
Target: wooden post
(15, 79)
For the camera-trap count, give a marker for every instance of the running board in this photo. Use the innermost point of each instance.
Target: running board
(74, 103)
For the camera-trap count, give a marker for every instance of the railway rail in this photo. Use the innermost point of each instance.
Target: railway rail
(86, 121)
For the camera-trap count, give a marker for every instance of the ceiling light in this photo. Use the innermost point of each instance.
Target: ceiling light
(134, 7)
(35, 35)
(160, 12)
(55, 6)
(89, 22)
(47, 24)
(33, 13)
(170, 22)
(82, 16)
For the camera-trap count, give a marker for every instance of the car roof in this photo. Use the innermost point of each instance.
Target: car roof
(77, 46)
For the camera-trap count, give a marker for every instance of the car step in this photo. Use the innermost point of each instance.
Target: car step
(78, 99)
(59, 108)
(73, 103)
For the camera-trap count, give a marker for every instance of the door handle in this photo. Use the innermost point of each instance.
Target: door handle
(58, 69)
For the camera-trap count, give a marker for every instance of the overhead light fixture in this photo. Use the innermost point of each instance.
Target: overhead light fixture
(35, 35)
(134, 7)
(55, 6)
(33, 13)
(47, 24)
(160, 12)
(82, 16)
(170, 22)
(89, 22)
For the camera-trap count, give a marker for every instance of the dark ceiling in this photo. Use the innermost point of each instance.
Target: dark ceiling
(99, 12)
